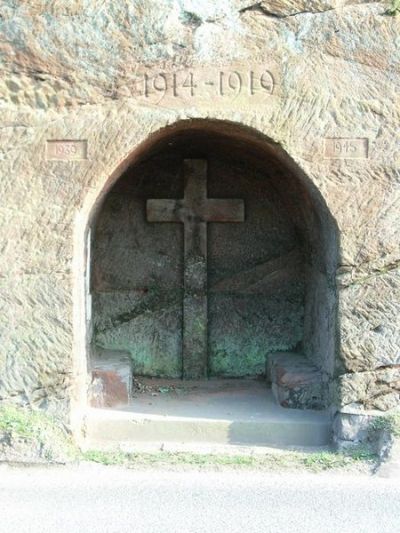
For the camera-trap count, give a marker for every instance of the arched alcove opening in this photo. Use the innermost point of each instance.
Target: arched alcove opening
(181, 288)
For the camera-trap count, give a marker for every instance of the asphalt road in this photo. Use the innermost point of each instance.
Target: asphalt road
(92, 498)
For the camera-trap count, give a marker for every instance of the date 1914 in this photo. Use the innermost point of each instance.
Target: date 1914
(202, 83)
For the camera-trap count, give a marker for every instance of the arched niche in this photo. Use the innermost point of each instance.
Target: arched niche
(270, 278)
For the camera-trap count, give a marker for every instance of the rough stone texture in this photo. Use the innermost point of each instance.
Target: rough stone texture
(296, 383)
(365, 304)
(389, 454)
(351, 428)
(71, 70)
(373, 390)
(112, 380)
(14, 450)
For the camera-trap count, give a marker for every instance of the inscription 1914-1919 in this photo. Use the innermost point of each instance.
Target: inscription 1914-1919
(209, 85)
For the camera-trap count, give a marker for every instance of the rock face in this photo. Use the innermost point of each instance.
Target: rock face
(379, 389)
(90, 87)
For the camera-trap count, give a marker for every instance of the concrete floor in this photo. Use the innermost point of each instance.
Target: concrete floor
(237, 412)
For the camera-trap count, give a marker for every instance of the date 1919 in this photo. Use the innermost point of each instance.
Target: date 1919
(207, 83)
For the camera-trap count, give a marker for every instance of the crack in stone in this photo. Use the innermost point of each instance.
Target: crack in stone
(391, 267)
(379, 369)
(260, 8)
(192, 19)
(153, 303)
(388, 367)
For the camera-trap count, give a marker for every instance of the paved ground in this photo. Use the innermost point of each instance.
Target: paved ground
(100, 499)
(213, 411)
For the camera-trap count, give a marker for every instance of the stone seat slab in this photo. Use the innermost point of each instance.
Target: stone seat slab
(296, 382)
(112, 379)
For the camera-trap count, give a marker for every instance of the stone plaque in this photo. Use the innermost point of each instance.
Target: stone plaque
(346, 148)
(66, 150)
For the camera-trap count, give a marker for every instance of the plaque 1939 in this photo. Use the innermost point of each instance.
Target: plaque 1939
(66, 150)
(252, 83)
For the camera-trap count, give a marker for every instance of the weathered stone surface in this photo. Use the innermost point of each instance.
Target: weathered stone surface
(296, 382)
(112, 380)
(379, 389)
(76, 71)
(31, 436)
(368, 298)
(289, 8)
(389, 454)
(146, 325)
(351, 427)
(19, 450)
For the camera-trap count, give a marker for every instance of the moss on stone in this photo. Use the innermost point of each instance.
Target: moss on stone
(32, 435)
(394, 8)
(389, 422)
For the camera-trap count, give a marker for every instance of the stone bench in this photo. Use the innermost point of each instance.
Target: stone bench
(296, 382)
(112, 380)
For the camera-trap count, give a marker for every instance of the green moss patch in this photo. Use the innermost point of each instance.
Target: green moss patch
(32, 435)
(394, 8)
(389, 423)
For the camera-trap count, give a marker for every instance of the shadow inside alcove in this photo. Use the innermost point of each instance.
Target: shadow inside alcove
(270, 280)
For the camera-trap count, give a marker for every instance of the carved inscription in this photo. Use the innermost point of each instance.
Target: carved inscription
(346, 148)
(66, 150)
(210, 85)
(221, 83)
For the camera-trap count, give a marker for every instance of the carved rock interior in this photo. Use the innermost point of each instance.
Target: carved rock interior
(269, 277)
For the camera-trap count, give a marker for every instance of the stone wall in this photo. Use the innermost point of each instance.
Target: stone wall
(321, 82)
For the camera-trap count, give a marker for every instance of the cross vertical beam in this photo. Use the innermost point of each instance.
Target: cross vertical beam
(194, 211)
(195, 305)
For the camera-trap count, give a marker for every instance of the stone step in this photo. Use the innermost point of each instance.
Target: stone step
(239, 414)
(296, 382)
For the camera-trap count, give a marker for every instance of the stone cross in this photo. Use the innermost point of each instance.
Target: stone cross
(194, 211)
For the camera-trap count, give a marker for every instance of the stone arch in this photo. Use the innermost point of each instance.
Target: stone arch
(300, 197)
